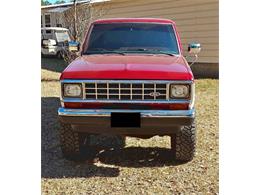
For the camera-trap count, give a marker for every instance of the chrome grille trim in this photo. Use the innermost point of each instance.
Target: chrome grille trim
(83, 91)
(95, 90)
(142, 91)
(154, 87)
(125, 91)
(119, 91)
(106, 98)
(131, 91)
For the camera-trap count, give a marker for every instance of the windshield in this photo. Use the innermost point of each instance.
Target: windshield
(132, 38)
(62, 36)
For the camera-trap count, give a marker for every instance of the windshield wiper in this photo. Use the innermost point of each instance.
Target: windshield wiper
(102, 51)
(157, 51)
(166, 53)
(152, 51)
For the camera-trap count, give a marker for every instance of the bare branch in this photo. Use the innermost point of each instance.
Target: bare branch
(78, 18)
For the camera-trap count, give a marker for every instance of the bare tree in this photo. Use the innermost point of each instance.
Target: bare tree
(75, 19)
(78, 18)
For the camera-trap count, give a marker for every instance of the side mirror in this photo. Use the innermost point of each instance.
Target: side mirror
(194, 48)
(49, 42)
(74, 46)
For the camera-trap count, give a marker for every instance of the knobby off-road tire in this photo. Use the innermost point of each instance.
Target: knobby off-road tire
(183, 143)
(73, 144)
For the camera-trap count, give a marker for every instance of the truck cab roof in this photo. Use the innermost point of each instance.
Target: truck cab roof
(141, 20)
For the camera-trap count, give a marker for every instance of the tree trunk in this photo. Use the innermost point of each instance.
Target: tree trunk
(75, 20)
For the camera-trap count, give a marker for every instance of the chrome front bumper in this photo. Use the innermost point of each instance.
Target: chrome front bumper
(155, 122)
(144, 113)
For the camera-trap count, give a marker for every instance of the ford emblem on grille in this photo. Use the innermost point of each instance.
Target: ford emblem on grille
(154, 94)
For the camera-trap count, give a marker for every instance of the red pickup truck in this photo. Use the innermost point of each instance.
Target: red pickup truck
(131, 79)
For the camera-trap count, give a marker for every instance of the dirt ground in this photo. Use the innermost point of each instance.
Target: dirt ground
(143, 166)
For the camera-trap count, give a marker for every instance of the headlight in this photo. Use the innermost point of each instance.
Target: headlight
(179, 91)
(72, 90)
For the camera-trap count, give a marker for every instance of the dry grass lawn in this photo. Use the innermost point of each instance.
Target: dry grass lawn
(142, 166)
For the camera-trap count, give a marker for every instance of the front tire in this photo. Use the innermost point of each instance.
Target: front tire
(183, 143)
(73, 144)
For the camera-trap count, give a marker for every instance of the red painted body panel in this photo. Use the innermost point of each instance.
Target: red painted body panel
(130, 66)
(136, 67)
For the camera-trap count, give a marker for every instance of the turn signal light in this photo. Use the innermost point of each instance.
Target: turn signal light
(144, 106)
(179, 106)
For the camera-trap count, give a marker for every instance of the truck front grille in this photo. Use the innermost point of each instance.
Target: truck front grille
(125, 91)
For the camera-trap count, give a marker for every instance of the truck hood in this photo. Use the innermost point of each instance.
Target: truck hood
(132, 67)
